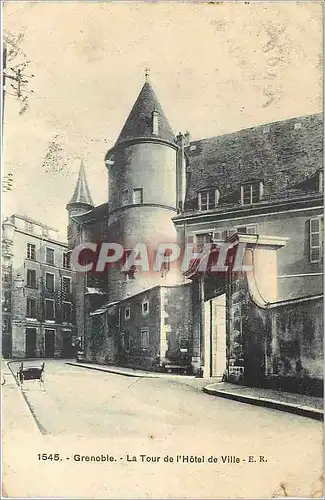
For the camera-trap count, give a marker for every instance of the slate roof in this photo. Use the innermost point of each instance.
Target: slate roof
(139, 121)
(81, 193)
(100, 212)
(282, 155)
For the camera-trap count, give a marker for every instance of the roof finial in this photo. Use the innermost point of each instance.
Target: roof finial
(147, 74)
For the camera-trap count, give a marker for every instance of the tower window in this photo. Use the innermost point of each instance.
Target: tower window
(155, 123)
(125, 196)
(137, 196)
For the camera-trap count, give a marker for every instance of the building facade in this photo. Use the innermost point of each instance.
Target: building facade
(38, 313)
(259, 189)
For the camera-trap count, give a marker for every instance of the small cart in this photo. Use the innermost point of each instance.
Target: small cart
(31, 373)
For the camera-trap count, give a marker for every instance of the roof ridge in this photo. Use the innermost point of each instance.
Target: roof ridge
(313, 115)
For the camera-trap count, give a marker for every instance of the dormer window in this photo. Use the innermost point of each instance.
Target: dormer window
(251, 193)
(155, 123)
(208, 199)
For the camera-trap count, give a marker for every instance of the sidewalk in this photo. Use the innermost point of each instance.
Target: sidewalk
(17, 416)
(299, 404)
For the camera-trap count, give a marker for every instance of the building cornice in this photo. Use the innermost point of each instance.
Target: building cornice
(140, 140)
(258, 210)
(42, 238)
(153, 205)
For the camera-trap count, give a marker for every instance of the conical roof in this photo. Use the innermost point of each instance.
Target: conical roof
(139, 121)
(81, 193)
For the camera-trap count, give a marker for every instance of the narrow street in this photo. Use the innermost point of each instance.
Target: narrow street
(87, 412)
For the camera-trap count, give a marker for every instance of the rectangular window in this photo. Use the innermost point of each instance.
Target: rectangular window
(66, 312)
(66, 286)
(45, 232)
(31, 308)
(31, 251)
(144, 338)
(315, 239)
(145, 307)
(49, 309)
(31, 278)
(66, 260)
(137, 196)
(251, 193)
(165, 268)
(208, 199)
(49, 282)
(202, 239)
(251, 229)
(127, 313)
(49, 256)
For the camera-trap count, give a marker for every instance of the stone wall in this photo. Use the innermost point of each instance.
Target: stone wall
(133, 352)
(104, 343)
(177, 323)
(279, 346)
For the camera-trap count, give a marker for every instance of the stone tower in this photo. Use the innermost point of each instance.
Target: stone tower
(143, 182)
(79, 204)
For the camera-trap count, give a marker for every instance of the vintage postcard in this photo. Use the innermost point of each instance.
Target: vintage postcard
(162, 250)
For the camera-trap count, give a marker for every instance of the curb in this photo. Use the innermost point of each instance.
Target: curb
(303, 411)
(131, 374)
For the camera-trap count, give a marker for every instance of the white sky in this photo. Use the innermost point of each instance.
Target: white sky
(216, 69)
